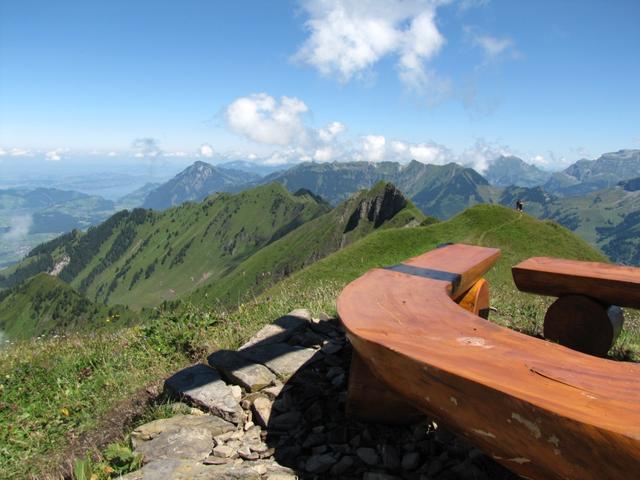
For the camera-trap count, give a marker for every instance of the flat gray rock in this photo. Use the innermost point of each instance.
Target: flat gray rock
(241, 371)
(282, 359)
(239, 471)
(203, 386)
(280, 330)
(214, 425)
(182, 444)
(165, 469)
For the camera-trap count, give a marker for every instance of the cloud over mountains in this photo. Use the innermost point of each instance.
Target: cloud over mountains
(346, 39)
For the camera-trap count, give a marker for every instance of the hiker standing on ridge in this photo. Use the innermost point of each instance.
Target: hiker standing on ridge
(519, 205)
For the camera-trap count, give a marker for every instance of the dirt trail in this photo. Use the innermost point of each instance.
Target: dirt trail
(498, 227)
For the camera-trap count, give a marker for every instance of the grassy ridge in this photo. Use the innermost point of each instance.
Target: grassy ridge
(310, 242)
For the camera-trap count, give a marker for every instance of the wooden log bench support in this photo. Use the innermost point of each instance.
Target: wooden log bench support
(540, 409)
(586, 316)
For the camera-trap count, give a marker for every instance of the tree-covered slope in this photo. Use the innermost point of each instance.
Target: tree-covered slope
(142, 258)
(44, 305)
(383, 206)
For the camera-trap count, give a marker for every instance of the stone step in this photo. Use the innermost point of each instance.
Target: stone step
(203, 386)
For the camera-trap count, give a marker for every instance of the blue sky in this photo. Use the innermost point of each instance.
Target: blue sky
(284, 81)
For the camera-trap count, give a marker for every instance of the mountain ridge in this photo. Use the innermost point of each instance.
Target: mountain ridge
(196, 182)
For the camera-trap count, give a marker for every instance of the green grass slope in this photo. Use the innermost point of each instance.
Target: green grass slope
(142, 258)
(381, 207)
(45, 305)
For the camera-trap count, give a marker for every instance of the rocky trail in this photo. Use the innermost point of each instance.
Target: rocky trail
(274, 410)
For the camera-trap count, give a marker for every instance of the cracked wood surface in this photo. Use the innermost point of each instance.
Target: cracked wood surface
(542, 410)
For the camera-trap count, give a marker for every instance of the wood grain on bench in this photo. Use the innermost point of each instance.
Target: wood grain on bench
(540, 409)
(612, 284)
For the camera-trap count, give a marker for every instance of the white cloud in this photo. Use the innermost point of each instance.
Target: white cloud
(324, 154)
(19, 228)
(539, 161)
(3, 152)
(331, 131)
(347, 39)
(373, 148)
(482, 153)
(206, 150)
(146, 147)
(20, 152)
(427, 153)
(263, 119)
(111, 154)
(53, 155)
(399, 148)
(287, 156)
(492, 47)
(277, 158)
(376, 148)
(178, 154)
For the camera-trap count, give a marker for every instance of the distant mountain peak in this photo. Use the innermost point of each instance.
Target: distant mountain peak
(380, 204)
(606, 171)
(508, 170)
(196, 182)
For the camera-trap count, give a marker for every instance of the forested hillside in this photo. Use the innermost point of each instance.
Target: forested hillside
(142, 258)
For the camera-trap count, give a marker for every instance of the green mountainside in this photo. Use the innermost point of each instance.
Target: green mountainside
(127, 247)
(506, 171)
(228, 245)
(438, 190)
(142, 258)
(195, 183)
(45, 305)
(383, 206)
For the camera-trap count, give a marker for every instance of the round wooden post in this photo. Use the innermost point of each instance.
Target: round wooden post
(583, 324)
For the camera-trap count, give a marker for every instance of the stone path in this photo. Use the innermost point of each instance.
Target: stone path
(275, 410)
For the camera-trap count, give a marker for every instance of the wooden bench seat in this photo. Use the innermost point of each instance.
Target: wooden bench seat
(556, 277)
(542, 410)
(587, 315)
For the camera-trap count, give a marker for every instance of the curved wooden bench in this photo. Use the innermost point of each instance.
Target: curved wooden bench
(540, 409)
